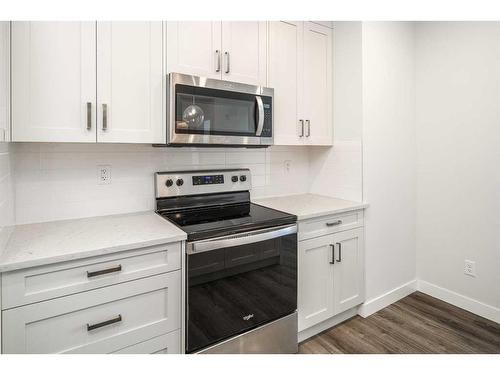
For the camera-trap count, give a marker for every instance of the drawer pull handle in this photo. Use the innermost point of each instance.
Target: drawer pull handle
(118, 268)
(91, 327)
(332, 224)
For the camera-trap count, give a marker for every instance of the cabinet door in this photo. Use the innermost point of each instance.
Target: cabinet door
(244, 46)
(317, 92)
(285, 46)
(4, 81)
(130, 82)
(348, 269)
(315, 299)
(53, 79)
(194, 48)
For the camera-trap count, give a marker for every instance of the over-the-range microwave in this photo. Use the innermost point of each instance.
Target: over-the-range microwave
(211, 112)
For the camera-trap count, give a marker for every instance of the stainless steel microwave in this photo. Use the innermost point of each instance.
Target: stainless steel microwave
(211, 112)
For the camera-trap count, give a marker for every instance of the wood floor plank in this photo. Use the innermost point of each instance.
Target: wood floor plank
(416, 324)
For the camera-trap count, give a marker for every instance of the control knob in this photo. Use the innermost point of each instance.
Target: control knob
(169, 182)
(234, 178)
(243, 178)
(179, 182)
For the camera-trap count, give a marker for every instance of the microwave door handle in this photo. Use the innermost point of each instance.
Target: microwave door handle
(239, 239)
(260, 116)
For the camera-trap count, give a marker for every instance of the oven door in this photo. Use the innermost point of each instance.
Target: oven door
(237, 283)
(212, 112)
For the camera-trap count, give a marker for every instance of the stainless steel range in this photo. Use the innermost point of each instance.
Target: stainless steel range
(241, 263)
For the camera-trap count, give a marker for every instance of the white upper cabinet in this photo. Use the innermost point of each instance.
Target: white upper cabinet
(68, 88)
(300, 71)
(318, 90)
(285, 46)
(130, 93)
(233, 51)
(53, 81)
(4, 81)
(244, 48)
(194, 48)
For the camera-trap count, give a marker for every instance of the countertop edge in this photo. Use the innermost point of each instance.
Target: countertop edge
(14, 266)
(361, 206)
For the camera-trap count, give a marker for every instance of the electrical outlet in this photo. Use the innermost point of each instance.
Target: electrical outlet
(104, 174)
(470, 268)
(287, 165)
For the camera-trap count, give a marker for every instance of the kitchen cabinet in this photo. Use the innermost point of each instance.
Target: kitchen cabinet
(130, 95)
(244, 46)
(87, 82)
(53, 81)
(96, 304)
(300, 71)
(194, 48)
(316, 280)
(331, 268)
(232, 51)
(4, 81)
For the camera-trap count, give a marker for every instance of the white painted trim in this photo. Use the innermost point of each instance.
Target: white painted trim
(386, 299)
(326, 324)
(459, 300)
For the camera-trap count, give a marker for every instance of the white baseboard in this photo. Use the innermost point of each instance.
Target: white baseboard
(466, 303)
(386, 299)
(329, 323)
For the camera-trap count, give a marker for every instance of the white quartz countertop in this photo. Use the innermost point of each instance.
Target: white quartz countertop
(306, 206)
(23, 246)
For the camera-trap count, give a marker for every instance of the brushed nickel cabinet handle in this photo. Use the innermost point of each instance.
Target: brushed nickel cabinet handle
(334, 223)
(118, 268)
(217, 56)
(89, 115)
(227, 62)
(340, 252)
(104, 117)
(91, 327)
(308, 123)
(301, 128)
(333, 254)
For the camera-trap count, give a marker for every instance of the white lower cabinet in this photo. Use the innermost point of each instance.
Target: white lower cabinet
(164, 344)
(331, 275)
(134, 310)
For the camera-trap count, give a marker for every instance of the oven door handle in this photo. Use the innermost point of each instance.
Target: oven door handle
(240, 239)
(260, 117)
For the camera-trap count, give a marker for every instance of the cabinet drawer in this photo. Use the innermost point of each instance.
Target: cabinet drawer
(46, 282)
(329, 224)
(98, 321)
(164, 344)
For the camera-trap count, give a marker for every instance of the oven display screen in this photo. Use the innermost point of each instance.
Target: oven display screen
(208, 180)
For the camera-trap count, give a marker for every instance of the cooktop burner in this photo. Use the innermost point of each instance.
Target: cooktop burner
(213, 203)
(224, 220)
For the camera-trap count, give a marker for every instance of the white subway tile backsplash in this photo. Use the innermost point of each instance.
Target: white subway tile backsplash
(59, 181)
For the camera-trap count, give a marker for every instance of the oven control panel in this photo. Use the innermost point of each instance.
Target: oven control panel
(208, 179)
(179, 183)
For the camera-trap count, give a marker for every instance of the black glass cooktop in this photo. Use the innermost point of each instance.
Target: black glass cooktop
(214, 221)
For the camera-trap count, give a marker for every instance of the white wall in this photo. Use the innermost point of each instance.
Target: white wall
(337, 171)
(389, 155)
(59, 181)
(458, 169)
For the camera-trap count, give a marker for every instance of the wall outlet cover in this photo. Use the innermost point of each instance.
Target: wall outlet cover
(470, 268)
(104, 174)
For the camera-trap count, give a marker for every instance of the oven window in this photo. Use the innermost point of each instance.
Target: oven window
(207, 111)
(236, 289)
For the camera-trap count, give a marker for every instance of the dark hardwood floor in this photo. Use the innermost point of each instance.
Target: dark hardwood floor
(416, 324)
